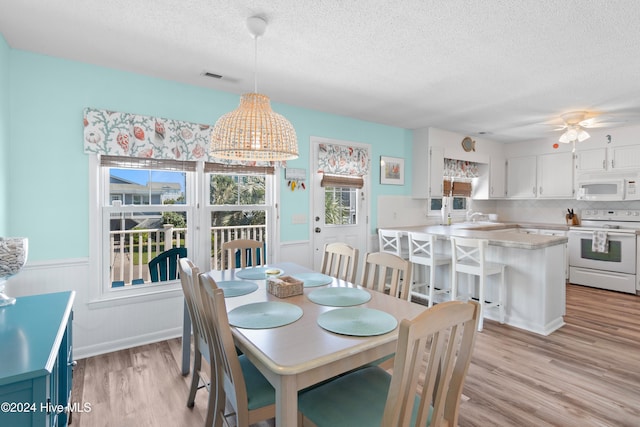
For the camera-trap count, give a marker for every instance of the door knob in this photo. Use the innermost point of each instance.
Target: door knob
(317, 230)
(317, 218)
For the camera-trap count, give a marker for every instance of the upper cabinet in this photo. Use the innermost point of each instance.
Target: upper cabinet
(436, 171)
(604, 159)
(521, 177)
(548, 176)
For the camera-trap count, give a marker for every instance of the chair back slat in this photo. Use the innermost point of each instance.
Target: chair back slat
(340, 261)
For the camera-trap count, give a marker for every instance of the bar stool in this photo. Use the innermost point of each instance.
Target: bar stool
(422, 252)
(468, 256)
(391, 241)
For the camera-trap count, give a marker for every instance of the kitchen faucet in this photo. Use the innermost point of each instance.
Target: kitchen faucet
(474, 216)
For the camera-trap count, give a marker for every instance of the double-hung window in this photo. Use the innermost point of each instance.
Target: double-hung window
(147, 209)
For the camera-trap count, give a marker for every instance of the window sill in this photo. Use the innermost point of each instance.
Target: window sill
(108, 300)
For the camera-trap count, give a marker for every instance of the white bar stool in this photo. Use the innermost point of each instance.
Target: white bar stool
(391, 241)
(468, 256)
(422, 252)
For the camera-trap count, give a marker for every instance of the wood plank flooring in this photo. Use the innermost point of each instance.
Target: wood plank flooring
(585, 374)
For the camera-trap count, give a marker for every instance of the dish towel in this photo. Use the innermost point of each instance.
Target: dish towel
(599, 242)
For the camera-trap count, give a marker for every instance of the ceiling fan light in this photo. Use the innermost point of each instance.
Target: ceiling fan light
(583, 135)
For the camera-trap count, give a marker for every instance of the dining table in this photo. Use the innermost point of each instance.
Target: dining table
(316, 344)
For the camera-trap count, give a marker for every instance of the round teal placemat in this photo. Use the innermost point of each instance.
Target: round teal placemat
(259, 273)
(264, 315)
(311, 280)
(235, 288)
(340, 297)
(357, 321)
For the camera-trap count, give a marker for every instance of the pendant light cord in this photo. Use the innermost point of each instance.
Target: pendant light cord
(255, 66)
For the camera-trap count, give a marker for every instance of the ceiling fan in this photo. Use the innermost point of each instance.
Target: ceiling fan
(574, 125)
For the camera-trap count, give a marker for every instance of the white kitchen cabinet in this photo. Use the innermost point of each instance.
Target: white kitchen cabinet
(428, 169)
(497, 177)
(555, 176)
(608, 159)
(521, 177)
(625, 157)
(548, 176)
(594, 160)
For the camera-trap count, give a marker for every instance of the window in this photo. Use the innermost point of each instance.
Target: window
(149, 213)
(340, 205)
(148, 207)
(240, 207)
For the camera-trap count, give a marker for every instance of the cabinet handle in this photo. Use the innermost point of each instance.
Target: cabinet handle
(604, 164)
(612, 165)
(540, 191)
(534, 190)
(73, 363)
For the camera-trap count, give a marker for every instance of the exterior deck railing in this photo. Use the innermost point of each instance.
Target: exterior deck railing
(131, 250)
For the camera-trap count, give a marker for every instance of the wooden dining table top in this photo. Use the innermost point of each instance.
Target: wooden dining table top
(302, 353)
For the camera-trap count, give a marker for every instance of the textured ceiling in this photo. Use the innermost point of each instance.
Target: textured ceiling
(500, 66)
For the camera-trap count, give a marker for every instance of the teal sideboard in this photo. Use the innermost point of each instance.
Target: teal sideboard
(36, 360)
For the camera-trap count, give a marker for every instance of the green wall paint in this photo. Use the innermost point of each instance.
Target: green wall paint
(4, 135)
(49, 203)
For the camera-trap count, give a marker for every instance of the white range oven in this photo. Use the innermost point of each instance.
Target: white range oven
(603, 250)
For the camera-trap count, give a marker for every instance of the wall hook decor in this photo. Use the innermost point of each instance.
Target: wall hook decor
(296, 178)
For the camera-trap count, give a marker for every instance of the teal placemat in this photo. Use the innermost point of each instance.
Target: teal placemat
(259, 273)
(356, 321)
(264, 315)
(235, 288)
(310, 280)
(340, 297)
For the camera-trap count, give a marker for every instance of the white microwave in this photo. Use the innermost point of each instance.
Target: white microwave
(609, 189)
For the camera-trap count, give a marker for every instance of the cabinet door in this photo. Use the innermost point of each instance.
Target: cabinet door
(594, 160)
(497, 175)
(555, 176)
(521, 177)
(625, 157)
(436, 171)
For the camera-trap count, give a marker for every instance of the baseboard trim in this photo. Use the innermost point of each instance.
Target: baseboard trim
(129, 342)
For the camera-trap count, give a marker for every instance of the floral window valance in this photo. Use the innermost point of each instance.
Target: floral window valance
(343, 160)
(131, 135)
(460, 169)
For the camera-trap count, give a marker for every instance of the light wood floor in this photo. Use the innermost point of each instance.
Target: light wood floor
(585, 374)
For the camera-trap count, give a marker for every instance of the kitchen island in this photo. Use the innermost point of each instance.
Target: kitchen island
(535, 274)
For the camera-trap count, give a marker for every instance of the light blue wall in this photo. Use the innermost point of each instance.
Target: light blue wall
(50, 202)
(4, 134)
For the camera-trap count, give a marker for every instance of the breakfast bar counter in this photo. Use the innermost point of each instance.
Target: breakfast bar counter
(535, 274)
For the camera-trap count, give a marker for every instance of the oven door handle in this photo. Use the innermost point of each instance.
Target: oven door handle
(609, 233)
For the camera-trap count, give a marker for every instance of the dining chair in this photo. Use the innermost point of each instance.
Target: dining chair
(435, 345)
(251, 253)
(238, 381)
(469, 256)
(188, 279)
(340, 260)
(384, 271)
(422, 253)
(165, 265)
(391, 241)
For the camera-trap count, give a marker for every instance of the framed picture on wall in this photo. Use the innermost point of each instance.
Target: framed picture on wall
(391, 170)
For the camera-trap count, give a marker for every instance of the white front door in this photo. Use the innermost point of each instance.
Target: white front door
(340, 214)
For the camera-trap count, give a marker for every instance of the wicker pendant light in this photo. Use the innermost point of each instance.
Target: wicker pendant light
(254, 132)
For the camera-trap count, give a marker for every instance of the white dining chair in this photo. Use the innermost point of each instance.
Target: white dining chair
(436, 345)
(237, 381)
(340, 260)
(386, 272)
(469, 256)
(422, 253)
(188, 279)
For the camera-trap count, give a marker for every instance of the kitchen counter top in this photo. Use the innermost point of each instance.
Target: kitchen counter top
(498, 234)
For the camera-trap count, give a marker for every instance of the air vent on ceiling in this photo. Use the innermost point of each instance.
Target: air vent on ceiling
(212, 75)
